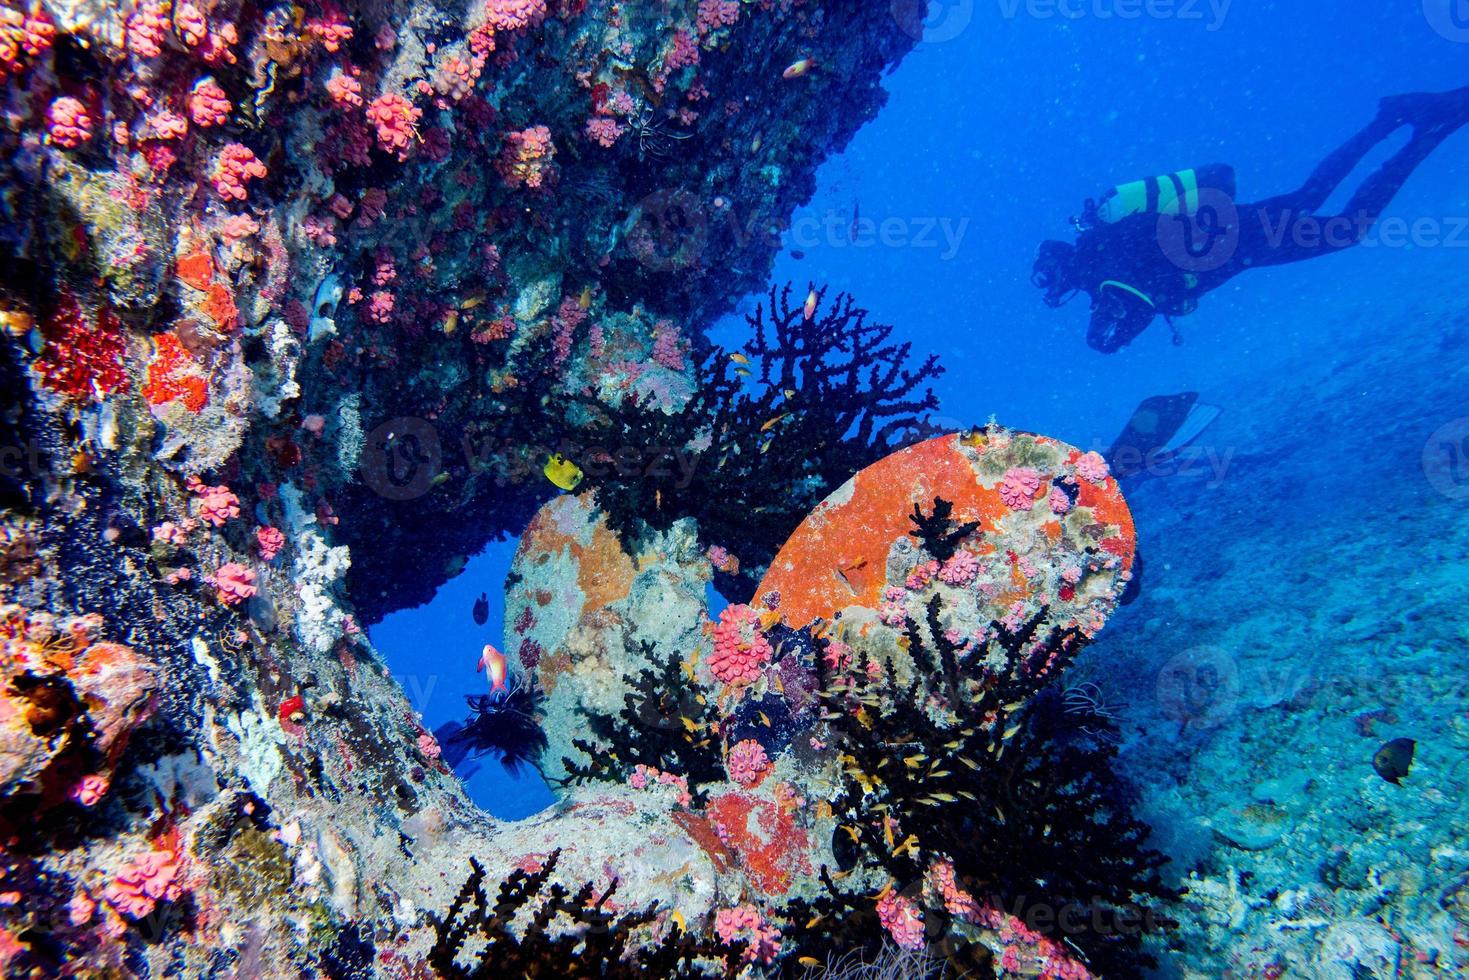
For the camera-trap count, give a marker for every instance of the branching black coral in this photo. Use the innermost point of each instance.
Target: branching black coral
(965, 763)
(559, 934)
(827, 394)
(663, 723)
(939, 533)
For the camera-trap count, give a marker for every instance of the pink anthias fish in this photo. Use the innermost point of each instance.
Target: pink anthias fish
(799, 68)
(492, 662)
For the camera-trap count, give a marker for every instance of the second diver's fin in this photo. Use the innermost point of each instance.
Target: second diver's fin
(1159, 428)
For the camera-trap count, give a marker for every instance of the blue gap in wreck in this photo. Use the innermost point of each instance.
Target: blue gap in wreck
(432, 651)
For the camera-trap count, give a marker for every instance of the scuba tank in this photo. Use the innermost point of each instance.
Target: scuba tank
(1175, 193)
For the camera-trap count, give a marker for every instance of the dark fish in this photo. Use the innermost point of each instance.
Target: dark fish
(797, 254)
(481, 610)
(1394, 759)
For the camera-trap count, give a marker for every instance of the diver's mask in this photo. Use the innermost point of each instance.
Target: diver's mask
(1049, 272)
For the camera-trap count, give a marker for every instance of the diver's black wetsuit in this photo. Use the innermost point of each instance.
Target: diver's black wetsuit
(1160, 270)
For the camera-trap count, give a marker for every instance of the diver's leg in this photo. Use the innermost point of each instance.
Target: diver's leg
(1330, 172)
(1422, 111)
(1283, 230)
(1378, 190)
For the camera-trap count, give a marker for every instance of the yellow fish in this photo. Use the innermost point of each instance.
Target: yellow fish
(563, 472)
(585, 299)
(17, 323)
(808, 310)
(739, 358)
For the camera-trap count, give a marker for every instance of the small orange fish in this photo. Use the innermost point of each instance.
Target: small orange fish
(492, 662)
(773, 422)
(809, 310)
(739, 358)
(799, 68)
(585, 299)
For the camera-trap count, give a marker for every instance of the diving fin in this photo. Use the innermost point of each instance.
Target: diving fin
(1160, 428)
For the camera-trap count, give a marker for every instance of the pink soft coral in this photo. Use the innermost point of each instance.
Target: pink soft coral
(236, 166)
(31, 34)
(208, 103)
(269, 541)
(682, 52)
(233, 583)
(380, 307)
(604, 130)
(961, 569)
(68, 123)
(144, 882)
(147, 28)
(745, 922)
(217, 504)
(668, 345)
(512, 15)
(396, 122)
(714, 14)
(1092, 468)
(345, 91)
(901, 918)
(740, 649)
(1018, 487)
(330, 28)
(526, 157)
(957, 902)
(747, 763)
(189, 21)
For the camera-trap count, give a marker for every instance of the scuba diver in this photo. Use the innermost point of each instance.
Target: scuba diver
(1153, 247)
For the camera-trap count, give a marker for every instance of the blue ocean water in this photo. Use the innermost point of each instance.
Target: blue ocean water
(1328, 509)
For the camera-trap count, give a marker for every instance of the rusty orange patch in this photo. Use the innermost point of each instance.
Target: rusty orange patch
(838, 556)
(196, 269)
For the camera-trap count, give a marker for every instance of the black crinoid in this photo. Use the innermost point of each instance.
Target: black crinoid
(969, 758)
(505, 723)
(561, 934)
(816, 394)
